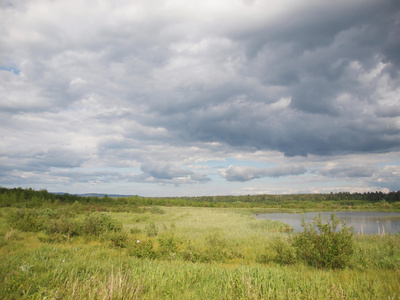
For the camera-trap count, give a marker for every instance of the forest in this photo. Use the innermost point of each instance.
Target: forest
(19, 197)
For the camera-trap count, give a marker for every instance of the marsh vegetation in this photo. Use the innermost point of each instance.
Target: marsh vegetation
(78, 250)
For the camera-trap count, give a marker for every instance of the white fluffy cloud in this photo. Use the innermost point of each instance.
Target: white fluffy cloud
(248, 173)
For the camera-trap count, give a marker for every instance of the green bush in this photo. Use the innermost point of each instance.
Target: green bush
(49, 220)
(27, 220)
(96, 224)
(218, 248)
(61, 224)
(117, 239)
(285, 252)
(325, 245)
(280, 251)
(64, 226)
(168, 246)
(142, 249)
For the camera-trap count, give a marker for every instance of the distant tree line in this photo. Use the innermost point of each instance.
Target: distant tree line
(19, 197)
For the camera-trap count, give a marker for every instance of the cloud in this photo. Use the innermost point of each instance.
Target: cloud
(158, 172)
(152, 92)
(245, 173)
(349, 171)
(388, 177)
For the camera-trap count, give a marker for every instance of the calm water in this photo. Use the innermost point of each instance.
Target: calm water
(362, 222)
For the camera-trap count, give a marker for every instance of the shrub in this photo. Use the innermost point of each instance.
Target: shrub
(218, 248)
(49, 220)
(26, 220)
(96, 224)
(168, 246)
(64, 226)
(285, 252)
(192, 256)
(142, 249)
(280, 251)
(325, 245)
(60, 225)
(117, 239)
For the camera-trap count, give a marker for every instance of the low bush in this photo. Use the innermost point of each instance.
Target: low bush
(116, 239)
(168, 246)
(27, 220)
(63, 226)
(192, 256)
(325, 245)
(142, 249)
(285, 252)
(218, 249)
(96, 224)
(60, 225)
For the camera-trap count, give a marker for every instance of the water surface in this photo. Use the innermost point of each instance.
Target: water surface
(362, 222)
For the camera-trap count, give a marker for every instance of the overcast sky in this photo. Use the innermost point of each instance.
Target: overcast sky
(174, 98)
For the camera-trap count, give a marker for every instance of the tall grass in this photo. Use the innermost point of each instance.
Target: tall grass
(67, 272)
(199, 253)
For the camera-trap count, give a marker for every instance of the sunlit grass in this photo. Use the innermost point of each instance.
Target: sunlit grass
(85, 268)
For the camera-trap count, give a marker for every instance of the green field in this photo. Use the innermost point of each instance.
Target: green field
(71, 251)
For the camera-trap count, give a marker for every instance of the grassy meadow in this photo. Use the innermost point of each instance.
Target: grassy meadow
(73, 251)
(208, 253)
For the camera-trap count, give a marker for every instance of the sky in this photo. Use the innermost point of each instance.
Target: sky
(192, 98)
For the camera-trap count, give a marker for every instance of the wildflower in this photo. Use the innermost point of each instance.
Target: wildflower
(138, 241)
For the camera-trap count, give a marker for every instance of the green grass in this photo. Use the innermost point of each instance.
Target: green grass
(225, 245)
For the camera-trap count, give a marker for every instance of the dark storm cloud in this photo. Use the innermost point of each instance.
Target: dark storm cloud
(158, 87)
(325, 55)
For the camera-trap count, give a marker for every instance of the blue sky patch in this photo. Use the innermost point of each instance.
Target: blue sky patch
(10, 69)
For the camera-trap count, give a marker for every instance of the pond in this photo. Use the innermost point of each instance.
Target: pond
(362, 222)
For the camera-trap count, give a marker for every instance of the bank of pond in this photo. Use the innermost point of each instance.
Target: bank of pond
(362, 222)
